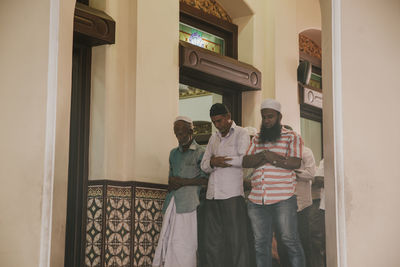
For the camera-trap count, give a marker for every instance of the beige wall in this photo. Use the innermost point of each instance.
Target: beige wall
(287, 60)
(371, 91)
(63, 101)
(22, 135)
(113, 97)
(268, 40)
(360, 157)
(135, 92)
(34, 104)
(308, 15)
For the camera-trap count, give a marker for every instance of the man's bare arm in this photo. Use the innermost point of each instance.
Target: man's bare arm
(261, 158)
(254, 161)
(175, 183)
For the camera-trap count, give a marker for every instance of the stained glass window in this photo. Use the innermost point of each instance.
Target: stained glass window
(315, 81)
(201, 38)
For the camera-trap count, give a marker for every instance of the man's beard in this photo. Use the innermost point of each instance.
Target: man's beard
(270, 134)
(187, 143)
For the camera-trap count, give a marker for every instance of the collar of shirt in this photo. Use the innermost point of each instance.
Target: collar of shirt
(193, 146)
(231, 130)
(285, 131)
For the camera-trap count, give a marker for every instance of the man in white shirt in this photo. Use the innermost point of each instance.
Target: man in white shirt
(227, 240)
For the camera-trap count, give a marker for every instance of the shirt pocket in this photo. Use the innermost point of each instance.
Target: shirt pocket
(189, 168)
(227, 148)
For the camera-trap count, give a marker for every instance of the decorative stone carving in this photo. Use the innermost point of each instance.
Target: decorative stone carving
(210, 7)
(309, 47)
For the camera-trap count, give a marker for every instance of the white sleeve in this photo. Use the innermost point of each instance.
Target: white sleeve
(205, 162)
(243, 144)
(308, 169)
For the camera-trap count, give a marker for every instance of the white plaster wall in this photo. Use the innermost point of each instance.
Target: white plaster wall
(268, 40)
(251, 42)
(286, 62)
(112, 129)
(157, 86)
(24, 74)
(368, 36)
(308, 15)
(198, 108)
(135, 92)
(60, 185)
(371, 91)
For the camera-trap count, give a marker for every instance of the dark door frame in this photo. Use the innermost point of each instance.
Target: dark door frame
(86, 35)
(78, 155)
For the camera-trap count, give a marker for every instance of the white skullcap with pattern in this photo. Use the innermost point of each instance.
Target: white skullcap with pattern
(183, 118)
(271, 104)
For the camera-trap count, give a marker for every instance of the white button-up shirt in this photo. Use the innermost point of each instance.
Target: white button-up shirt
(226, 182)
(305, 176)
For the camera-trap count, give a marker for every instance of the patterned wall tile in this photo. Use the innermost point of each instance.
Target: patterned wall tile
(148, 221)
(118, 226)
(94, 226)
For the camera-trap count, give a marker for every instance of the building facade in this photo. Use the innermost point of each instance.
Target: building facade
(134, 98)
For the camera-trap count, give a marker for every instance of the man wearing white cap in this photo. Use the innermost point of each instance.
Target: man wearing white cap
(275, 152)
(177, 245)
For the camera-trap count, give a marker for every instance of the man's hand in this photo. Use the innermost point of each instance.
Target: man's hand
(220, 162)
(318, 182)
(273, 157)
(174, 183)
(246, 184)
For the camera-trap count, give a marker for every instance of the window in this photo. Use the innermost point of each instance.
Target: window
(209, 70)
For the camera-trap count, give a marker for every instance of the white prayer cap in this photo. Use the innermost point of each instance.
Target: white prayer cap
(271, 104)
(183, 118)
(251, 130)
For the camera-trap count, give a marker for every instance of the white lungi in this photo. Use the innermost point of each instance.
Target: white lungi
(177, 244)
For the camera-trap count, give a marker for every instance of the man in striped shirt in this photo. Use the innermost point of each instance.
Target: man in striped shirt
(274, 153)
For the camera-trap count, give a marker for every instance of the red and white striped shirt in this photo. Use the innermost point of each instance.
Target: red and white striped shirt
(271, 184)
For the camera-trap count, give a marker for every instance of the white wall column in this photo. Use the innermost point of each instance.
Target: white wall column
(157, 91)
(135, 92)
(35, 72)
(273, 49)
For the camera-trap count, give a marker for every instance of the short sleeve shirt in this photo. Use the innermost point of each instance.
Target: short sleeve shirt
(185, 165)
(271, 184)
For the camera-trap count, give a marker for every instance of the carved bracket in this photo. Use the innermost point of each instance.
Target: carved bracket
(236, 74)
(93, 26)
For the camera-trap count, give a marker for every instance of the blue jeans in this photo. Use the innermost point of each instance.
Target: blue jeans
(284, 217)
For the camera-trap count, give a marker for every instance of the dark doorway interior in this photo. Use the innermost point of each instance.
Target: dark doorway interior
(78, 154)
(88, 32)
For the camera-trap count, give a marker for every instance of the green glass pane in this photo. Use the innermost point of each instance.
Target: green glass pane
(311, 132)
(315, 81)
(201, 38)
